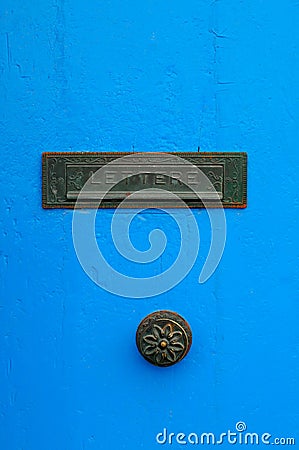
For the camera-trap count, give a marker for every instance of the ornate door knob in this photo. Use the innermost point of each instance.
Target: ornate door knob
(163, 338)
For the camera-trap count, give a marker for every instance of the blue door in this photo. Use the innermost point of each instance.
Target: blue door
(161, 77)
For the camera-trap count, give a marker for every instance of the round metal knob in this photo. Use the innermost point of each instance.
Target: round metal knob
(163, 338)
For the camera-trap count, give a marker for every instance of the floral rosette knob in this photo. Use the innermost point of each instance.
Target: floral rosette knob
(163, 338)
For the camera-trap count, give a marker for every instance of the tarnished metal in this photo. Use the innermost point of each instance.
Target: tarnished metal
(163, 338)
(64, 175)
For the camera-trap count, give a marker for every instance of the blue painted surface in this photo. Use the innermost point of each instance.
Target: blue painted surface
(170, 76)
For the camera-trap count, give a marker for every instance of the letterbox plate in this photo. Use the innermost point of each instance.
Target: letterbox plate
(65, 174)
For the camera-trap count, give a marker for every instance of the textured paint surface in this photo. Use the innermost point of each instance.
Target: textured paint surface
(116, 76)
